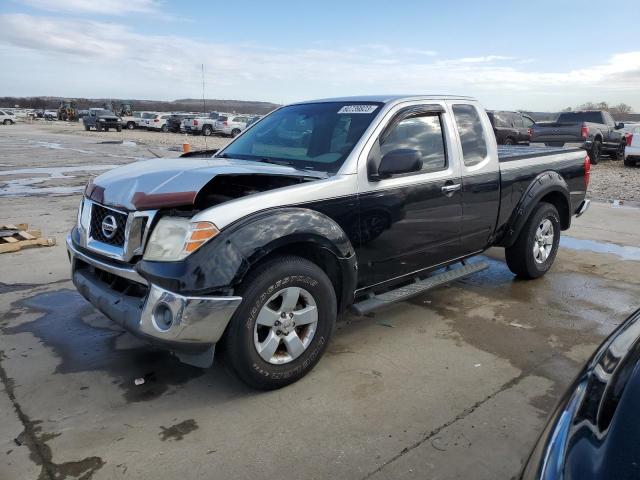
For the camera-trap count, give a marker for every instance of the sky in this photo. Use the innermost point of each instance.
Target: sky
(536, 55)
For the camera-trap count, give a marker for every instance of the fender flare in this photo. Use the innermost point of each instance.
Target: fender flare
(221, 264)
(545, 183)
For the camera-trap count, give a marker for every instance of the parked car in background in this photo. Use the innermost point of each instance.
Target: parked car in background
(101, 119)
(50, 114)
(596, 130)
(158, 122)
(253, 119)
(594, 432)
(632, 152)
(146, 119)
(266, 242)
(131, 121)
(232, 125)
(175, 121)
(81, 114)
(7, 118)
(511, 128)
(204, 124)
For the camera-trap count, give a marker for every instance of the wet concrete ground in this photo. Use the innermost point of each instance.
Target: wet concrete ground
(453, 384)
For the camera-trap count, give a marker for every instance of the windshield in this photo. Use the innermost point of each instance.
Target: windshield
(314, 135)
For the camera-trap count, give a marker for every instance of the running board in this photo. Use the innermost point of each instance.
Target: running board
(403, 293)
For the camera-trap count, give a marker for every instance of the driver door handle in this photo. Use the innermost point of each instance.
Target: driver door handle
(450, 189)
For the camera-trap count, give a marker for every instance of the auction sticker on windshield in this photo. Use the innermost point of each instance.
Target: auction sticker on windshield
(358, 109)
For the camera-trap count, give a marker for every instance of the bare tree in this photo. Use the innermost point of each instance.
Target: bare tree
(621, 108)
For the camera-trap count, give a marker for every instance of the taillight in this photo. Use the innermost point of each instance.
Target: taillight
(195, 122)
(225, 124)
(529, 132)
(587, 171)
(629, 138)
(584, 131)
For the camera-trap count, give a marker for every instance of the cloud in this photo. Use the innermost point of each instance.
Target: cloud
(102, 7)
(99, 59)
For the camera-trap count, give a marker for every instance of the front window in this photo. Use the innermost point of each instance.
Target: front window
(319, 136)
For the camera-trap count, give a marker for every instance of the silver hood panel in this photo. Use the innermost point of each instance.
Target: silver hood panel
(166, 183)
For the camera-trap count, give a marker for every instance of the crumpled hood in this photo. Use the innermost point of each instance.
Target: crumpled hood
(173, 182)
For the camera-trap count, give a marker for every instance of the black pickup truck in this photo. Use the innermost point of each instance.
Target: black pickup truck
(102, 120)
(318, 207)
(595, 130)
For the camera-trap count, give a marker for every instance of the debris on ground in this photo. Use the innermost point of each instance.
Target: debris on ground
(16, 237)
(139, 381)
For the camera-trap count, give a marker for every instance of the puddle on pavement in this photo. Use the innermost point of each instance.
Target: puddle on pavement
(29, 186)
(86, 341)
(623, 251)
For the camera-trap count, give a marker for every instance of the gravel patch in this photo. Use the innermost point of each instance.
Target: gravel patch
(611, 180)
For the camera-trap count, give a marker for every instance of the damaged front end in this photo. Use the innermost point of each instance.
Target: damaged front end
(143, 211)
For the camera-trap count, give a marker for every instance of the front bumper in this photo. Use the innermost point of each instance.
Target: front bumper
(118, 291)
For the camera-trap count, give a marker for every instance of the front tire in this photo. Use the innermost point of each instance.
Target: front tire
(536, 247)
(131, 125)
(207, 131)
(509, 141)
(283, 324)
(7, 122)
(235, 132)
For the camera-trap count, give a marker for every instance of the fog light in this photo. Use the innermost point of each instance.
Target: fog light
(163, 317)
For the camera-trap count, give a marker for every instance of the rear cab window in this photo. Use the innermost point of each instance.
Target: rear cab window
(471, 132)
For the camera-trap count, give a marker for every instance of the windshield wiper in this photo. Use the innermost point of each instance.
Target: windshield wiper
(287, 163)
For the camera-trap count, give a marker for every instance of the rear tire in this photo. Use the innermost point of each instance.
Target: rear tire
(165, 128)
(509, 141)
(619, 153)
(292, 353)
(235, 132)
(7, 122)
(630, 162)
(595, 152)
(131, 125)
(535, 249)
(207, 131)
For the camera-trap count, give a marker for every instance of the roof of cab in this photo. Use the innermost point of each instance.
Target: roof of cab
(388, 98)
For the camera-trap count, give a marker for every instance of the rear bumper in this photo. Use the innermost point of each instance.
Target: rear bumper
(196, 322)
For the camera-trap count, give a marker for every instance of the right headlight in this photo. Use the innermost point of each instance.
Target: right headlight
(174, 238)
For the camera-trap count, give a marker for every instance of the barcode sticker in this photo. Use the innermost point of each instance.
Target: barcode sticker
(358, 109)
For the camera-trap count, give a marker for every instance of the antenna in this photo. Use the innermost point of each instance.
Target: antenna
(204, 105)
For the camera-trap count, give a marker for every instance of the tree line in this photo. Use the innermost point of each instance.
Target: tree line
(618, 109)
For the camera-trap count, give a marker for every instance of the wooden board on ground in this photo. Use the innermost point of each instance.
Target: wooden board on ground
(16, 237)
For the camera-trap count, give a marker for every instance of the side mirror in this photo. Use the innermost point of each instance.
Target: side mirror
(619, 126)
(402, 160)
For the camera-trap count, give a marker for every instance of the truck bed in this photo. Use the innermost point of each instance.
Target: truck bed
(509, 153)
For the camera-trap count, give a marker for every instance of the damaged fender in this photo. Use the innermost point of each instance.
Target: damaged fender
(222, 263)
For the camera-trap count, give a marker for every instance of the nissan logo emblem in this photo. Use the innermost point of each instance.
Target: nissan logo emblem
(109, 226)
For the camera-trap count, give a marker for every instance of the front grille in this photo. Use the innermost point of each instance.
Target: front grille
(98, 214)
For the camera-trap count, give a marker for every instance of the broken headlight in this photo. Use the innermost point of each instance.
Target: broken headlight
(175, 238)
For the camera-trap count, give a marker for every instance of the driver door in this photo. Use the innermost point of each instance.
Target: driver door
(412, 221)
